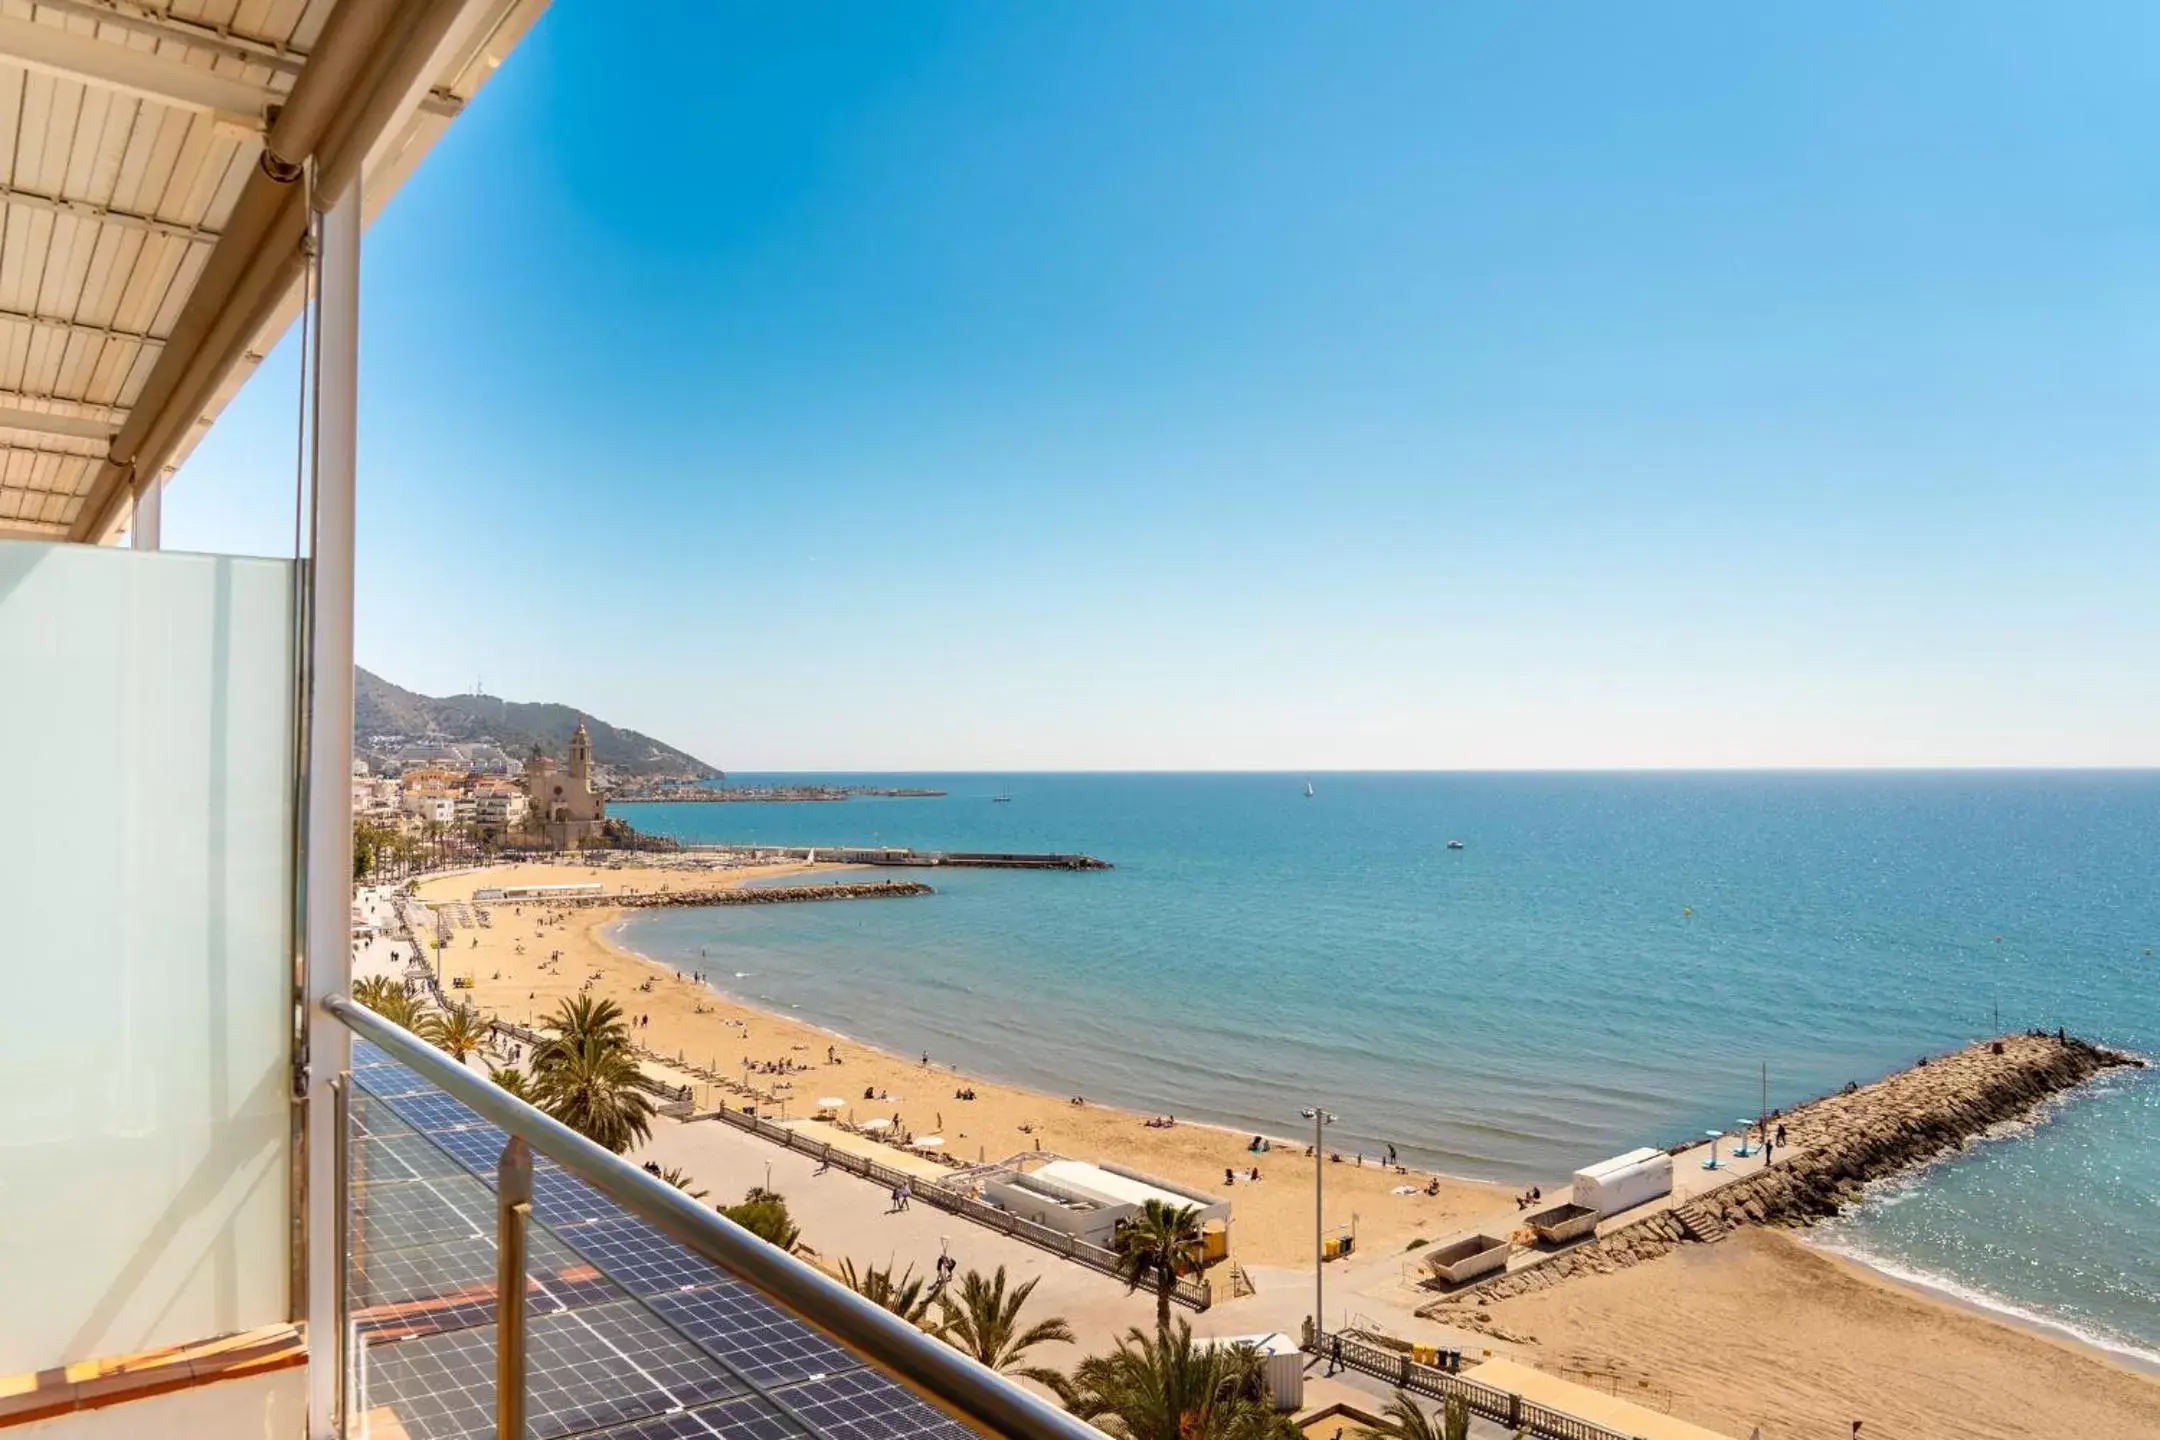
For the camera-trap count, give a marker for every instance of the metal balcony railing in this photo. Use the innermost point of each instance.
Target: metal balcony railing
(679, 1327)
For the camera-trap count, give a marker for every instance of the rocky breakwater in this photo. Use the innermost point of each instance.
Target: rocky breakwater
(744, 895)
(1836, 1145)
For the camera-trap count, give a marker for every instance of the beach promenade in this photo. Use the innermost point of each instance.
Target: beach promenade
(844, 1217)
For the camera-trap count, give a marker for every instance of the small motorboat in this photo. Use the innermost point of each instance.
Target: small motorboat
(1454, 844)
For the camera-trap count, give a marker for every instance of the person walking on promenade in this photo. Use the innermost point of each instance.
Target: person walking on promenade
(1334, 1357)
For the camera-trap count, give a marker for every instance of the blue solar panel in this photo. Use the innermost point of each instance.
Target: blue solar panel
(583, 1369)
(478, 1150)
(642, 1259)
(745, 1419)
(434, 1111)
(400, 1157)
(602, 1365)
(397, 1214)
(565, 1202)
(868, 1406)
(372, 1115)
(754, 1336)
(387, 1078)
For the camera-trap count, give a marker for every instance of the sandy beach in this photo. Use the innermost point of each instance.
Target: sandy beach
(1758, 1330)
(1765, 1330)
(1272, 1217)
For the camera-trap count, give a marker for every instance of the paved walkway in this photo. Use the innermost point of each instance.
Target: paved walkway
(844, 1215)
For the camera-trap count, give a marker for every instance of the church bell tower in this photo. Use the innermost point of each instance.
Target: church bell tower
(580, 758)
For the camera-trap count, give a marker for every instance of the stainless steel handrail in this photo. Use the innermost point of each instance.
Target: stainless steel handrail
(928, 1364)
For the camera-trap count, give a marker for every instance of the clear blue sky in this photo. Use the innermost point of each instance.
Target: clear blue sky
(1274, 385)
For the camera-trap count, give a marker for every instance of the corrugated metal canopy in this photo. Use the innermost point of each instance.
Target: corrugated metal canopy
(128, 131)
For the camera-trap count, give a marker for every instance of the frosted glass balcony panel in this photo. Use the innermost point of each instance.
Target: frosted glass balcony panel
(146, 705)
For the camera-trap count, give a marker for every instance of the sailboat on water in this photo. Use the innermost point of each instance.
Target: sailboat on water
(1308, 790)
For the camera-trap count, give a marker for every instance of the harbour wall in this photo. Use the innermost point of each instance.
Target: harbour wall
(1840, 1143)
(759, 895)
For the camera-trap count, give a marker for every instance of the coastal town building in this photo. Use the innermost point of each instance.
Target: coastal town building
(500, 811)
(430, 806)
(376, 797)
(568, 808)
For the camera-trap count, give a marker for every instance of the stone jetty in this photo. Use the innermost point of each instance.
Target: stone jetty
(1838, 1144)
(746, 895)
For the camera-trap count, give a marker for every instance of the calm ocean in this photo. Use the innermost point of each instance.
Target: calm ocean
(1610, 961)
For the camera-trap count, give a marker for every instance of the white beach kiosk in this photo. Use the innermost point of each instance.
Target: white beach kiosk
(1089, 1201)
(1625, 1181)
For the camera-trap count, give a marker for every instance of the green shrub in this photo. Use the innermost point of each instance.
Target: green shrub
(765, 1215)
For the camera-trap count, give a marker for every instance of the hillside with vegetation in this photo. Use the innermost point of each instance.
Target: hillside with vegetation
(381, 708)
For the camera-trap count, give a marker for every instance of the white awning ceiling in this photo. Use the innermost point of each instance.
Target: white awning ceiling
(129, 130)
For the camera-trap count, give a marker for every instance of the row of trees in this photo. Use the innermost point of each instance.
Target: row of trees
(384, 851)
(584, 1073)
(1160, 1386)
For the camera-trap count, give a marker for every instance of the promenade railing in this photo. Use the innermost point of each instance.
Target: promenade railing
(531, 1172)
(1192, 1292)
(1400, 1369)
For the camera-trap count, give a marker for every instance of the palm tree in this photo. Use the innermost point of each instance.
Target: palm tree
(905, 1296)
(512, 1079)
(984, 1321)
(576, 1021)
(1164, 1387)
(1154, 1247)
(592, 1088)
(458, 1031)
(1406, 1421)
(387, 998)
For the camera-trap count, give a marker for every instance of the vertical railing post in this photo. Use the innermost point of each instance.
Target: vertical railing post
(513, 1203)
(326, 886)
(342, 1168)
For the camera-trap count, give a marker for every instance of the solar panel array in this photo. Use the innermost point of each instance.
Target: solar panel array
(629, 1335)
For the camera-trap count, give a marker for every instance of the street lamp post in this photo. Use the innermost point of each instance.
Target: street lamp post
(1319, 1119)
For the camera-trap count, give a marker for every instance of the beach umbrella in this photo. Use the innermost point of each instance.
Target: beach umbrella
(830, 1102)
(879, 1124)
(929, 1142)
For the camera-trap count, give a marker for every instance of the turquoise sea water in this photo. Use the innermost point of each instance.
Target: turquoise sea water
(1609, 961)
